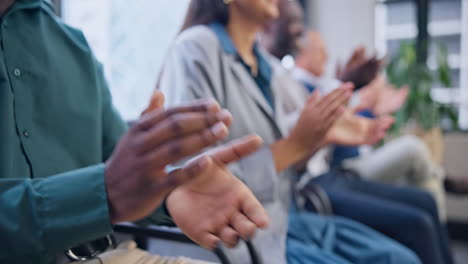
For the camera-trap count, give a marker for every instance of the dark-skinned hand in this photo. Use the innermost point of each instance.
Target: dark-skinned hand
(135, 175)
(215, 206)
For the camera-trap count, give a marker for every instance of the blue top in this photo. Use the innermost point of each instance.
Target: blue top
(309, 86)
(341, 152)
(263, 78)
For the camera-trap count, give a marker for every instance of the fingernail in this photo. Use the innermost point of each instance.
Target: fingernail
(212, 106)
(220, 130)
(203, 162)
(257, 139)
(224, 115)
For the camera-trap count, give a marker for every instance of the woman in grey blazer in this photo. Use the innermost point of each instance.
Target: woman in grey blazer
(216, 56)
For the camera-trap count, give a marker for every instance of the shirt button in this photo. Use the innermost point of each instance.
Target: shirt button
(17, 72)
(26, 133)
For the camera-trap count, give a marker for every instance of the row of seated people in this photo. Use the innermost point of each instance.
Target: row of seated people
(219, 51)
(70, 168)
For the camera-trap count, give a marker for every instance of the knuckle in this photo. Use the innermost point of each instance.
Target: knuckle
(210, 243)
(250, 229)
(208, 137)
(174, 149)
(172, 180)
(139, 146)
(209, 119)
(175, 124)
(140, 125)
(169, 112)
(192, 172)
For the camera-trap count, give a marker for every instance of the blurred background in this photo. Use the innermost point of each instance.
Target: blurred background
(425, 43)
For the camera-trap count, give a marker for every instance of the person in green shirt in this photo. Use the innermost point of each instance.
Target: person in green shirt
(70, 168)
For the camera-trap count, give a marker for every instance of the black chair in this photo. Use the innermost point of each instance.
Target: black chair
(312, 197)
(141, 234)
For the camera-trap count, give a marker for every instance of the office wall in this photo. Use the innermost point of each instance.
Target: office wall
(464, 69)
(131, 40)
(345, 25)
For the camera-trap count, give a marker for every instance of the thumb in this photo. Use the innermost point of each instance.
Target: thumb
(236, 150)
(156, 102)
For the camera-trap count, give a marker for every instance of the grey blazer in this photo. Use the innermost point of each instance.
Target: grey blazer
(197, 67)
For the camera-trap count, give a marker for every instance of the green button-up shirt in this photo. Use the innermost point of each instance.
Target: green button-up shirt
(57, 127)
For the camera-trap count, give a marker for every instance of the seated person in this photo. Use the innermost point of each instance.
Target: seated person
(216, 56)
(402, 160)
(388, 209)
(70, 168)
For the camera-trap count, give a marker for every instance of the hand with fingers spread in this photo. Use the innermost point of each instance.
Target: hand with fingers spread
(360, 69)
(216, 206)
(319, 115)
(358, 57)
(353, 130)
(369, 95)
(391, 100)
(381, 97)
(135, 175)
(315, 120)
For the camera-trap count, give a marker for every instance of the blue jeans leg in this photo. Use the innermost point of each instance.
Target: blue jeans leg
(407, 215)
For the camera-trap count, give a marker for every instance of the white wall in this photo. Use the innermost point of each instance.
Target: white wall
(464, 69)
(131, 40)
(345, 25)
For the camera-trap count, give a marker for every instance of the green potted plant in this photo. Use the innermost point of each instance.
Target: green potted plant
(421, 114)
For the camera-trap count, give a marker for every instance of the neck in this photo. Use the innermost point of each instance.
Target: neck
(243, 32)
(4, 5)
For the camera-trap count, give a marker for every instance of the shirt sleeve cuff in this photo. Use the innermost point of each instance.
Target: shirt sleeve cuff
(160, 217)
(74, 207)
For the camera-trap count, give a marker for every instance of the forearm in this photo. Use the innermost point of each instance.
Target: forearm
(43, 217)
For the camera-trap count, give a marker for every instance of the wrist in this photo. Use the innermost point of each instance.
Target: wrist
(287, 152)
(110, 193)
(296, 147)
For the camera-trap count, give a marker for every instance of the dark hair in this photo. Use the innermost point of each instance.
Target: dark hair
(204, 12)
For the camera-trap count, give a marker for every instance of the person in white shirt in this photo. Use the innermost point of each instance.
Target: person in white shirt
(404, 160)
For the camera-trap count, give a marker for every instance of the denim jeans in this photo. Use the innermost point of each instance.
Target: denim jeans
(405, 214)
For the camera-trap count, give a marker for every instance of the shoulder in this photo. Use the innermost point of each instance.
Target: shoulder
(197, 41)
(202, 36)
(57, 25)
(198, 34)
